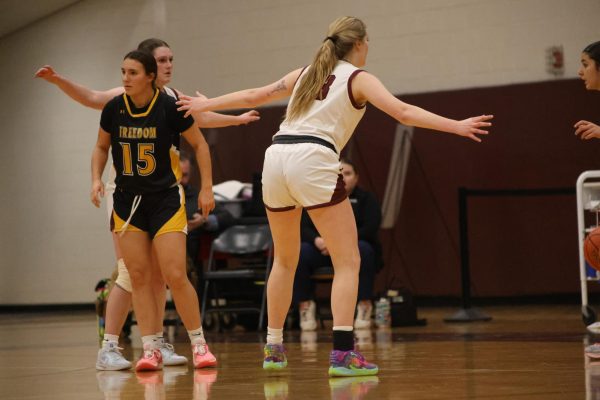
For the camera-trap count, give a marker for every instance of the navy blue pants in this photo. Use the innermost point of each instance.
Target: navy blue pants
(311, 259)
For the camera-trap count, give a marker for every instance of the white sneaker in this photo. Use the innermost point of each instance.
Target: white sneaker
(363, 316)
(110, 358)
(169, 356)
(307, 317)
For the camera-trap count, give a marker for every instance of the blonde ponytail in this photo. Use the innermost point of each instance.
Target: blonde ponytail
(341, 36)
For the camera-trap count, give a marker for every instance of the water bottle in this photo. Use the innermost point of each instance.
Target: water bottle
(382, 312)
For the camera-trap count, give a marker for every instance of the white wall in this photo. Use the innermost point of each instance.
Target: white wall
(54, 245)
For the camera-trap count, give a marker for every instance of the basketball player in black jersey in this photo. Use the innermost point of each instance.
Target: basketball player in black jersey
(140, 127)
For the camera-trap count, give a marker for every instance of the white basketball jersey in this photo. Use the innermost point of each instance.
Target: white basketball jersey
(333, 118)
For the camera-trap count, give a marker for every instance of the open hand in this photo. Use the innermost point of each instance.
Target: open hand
(470, 127)
(192, 105)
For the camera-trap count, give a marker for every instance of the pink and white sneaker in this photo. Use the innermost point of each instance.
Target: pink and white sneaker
(202, 356)
(151, 361)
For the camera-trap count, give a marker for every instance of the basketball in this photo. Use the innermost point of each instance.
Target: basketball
(591, 247)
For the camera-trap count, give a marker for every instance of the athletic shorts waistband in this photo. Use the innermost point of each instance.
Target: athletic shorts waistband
(292, 139)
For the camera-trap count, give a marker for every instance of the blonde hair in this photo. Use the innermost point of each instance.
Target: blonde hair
(341, 36)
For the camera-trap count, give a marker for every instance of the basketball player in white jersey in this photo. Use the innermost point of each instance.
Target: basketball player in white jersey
(119, 300)
(302, 169)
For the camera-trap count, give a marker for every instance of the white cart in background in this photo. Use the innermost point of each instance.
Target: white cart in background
(588, 214)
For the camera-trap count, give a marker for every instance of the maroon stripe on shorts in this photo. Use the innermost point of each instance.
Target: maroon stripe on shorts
(279, 209)
(339, 194)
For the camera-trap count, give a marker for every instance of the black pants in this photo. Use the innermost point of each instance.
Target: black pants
(311, 258)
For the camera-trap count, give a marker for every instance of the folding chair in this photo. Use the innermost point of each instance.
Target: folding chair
(253, 247)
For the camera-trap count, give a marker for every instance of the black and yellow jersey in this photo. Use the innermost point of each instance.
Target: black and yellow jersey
(142, 140)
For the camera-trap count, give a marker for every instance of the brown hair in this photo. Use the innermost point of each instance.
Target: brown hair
(341, 36)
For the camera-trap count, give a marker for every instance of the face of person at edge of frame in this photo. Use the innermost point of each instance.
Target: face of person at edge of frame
(134, 76)
(184, 165)
(164, 61)
(350, 177)
(589, 72)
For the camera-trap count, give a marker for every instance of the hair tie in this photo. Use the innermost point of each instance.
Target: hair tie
(332, 38)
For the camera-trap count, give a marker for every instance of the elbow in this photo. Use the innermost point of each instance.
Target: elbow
(404, 116)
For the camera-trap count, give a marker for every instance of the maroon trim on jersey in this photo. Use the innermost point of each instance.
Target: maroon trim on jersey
(279, 209)
(352, 100)
(301, 72)
(339, 195)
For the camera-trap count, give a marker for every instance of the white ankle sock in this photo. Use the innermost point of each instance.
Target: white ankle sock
(149, 342)
(110, 338)
(197, 336)
(343, 328)
(274, 336)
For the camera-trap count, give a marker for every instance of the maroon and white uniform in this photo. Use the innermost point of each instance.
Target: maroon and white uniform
(302, 167)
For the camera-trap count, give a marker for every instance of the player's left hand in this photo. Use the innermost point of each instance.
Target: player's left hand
(587, 130)
(206, 202)
(47, 73)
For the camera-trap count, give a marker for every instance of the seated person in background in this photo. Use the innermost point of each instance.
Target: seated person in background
(314, 254)
(217, 221)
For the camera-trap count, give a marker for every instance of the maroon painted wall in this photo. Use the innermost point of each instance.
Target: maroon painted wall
(519, 246)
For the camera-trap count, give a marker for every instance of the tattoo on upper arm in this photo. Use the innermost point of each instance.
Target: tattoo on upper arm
(279, 88)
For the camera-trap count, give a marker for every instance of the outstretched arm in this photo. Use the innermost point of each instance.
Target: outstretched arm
(367, 88)
(206, 199)
(99, 157)
(249, 98)
(81, 94)
(209, 119)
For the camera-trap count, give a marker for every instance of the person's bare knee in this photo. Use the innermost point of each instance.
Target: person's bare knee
(139, 277)
(175, 278)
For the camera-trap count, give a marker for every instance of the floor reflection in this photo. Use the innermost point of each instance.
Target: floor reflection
(112, 383)
(276, 389)
(352, 388)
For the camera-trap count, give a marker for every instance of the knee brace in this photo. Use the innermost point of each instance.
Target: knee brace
(123, 279)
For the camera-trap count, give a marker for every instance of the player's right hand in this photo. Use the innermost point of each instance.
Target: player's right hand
(97, 192)
(471, 127)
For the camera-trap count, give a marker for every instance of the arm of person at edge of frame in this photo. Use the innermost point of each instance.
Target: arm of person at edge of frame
(588, 130)
(85, 96)
(367, 88)
(99, 158)
(209, 119)
(248, 98)
(206, 199)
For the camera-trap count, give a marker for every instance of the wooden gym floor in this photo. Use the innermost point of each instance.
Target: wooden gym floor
(525, 352)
